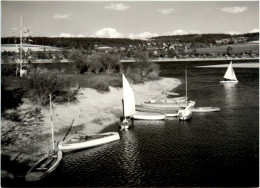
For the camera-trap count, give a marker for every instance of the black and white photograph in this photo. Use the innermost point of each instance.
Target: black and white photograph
(129, 93)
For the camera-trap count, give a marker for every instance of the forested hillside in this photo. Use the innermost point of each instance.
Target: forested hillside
(195, 40)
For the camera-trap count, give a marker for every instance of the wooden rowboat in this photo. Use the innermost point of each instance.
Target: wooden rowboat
(83, 142)
(44, 167)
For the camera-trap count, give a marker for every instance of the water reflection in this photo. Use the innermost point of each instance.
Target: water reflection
(230, 92)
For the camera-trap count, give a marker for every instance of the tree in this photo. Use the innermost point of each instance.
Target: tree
(110, 62)
(144, 64)
(229, 50)
(94, 63)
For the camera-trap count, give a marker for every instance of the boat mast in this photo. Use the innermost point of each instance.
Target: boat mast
(52, 132)
(186, 86)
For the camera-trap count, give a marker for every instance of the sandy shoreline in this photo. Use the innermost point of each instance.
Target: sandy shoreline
(91, 114)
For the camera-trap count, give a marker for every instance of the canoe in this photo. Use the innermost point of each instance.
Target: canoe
(171, 93)
(148, 116)
(44, 167)
(83, 142)
(204, 109)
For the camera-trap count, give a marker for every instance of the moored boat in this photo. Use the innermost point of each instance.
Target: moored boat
(155, 110)
(129, 107)
(49, 163)
(168, 104)
(44, 167)
(185, 114)
(204, 109)
(149, 116)
(128, 103)
(83, 142)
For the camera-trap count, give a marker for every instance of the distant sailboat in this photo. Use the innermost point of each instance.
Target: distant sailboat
(230, 75)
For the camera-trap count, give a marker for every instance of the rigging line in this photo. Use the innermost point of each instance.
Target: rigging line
(68, 130)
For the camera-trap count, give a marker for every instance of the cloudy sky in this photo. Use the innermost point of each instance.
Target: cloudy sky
(129, 19)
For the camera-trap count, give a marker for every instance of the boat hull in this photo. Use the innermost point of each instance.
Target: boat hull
(229, 81)
(185, 114)
(184, 118)
(36, 173)
(92, 142)
(204, 109)
(149, 116)
(155, 110)
(166, 105)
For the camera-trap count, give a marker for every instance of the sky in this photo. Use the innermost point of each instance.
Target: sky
(129, 19)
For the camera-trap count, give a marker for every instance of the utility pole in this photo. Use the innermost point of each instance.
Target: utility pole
(21, 43)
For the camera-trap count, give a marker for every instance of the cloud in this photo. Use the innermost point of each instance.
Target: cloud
(143, 35)
(254, 30)
(165, 11)
(233, 33)
(68, 35)
(182, 32)
(61, 16)
(234, 10)
(117, 7)
(108, 33)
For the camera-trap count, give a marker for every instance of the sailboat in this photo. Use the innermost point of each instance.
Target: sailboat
(128, 102)
(230, 76)
(129, 107)
(48, 164)
(185, 113)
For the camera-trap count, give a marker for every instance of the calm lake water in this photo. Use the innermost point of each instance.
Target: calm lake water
(213, 149)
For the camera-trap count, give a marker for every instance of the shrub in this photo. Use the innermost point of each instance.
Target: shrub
(13, 116)
(8, 69)
(101, 86)
(42, 82)
(143, 69)
(153, 75)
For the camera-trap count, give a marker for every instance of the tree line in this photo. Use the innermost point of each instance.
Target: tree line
(196, 40)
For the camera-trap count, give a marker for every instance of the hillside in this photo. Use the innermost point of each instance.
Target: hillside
(237, 48)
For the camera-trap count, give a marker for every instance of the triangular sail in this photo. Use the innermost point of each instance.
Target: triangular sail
(230, 74)
(129, 98)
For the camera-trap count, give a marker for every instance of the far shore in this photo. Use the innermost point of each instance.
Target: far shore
(94, 112)
(158, 60)
(192, 59)
(234, 65)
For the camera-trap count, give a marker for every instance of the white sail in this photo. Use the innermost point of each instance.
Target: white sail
(129, 98)
(230, 74)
